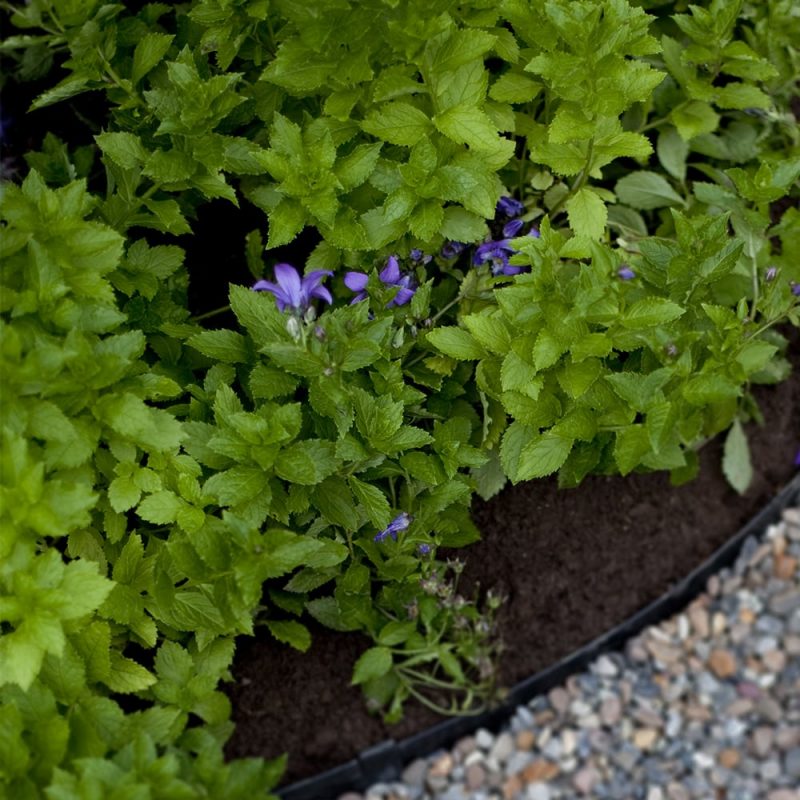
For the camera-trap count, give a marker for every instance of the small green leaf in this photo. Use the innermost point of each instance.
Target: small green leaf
(398, 123)
(150, 49)
(456, 342)
(587, 213)
(377, 661)
(646, 190)
(291, 632)
(542, 456)
(124, 149)
(736, 458)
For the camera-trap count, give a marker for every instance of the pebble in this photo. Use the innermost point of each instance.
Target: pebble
(702, 705)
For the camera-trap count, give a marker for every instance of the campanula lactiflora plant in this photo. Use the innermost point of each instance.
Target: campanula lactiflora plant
(529, 238)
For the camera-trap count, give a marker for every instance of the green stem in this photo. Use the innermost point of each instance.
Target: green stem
(209, 314)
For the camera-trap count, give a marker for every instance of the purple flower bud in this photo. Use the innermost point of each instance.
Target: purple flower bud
(626, 273)
(795, 288)
(452, 249)
(534, 231)
(512, 228)
(509, 207)
(397, 525)
(424, 549)
(771, 274)
(671, 350)
(418, 257)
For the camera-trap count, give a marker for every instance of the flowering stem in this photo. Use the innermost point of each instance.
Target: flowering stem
(209, 314)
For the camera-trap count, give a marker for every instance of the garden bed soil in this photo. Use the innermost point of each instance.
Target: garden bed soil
(573, 563)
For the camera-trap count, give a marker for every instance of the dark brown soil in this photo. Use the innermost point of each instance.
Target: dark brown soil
(574, 563)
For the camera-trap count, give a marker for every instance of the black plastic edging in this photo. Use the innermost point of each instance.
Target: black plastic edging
(384, 762)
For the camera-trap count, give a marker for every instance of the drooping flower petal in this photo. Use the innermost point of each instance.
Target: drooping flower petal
(356, 281)
(281, 298)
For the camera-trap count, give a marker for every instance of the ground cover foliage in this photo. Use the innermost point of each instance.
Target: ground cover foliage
(544, 245)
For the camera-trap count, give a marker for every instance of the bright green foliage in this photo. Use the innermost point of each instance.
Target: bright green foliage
(172, 487)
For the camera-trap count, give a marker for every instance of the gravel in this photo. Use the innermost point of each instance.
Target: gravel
(706, 704)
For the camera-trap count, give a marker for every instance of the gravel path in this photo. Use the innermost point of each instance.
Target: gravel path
(705, 705)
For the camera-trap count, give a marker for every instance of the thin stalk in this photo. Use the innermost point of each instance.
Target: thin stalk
(209, 314)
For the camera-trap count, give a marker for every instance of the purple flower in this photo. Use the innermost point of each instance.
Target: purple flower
(398, 524)
(424, 549)
(452, 249)
(418, 257)
(512, 228)
(534, 231)
(292, 291)
(357, 282)
(626, 273)
(496, 254)
(390, 275)
(771, 274)
(795, 288)
(509, 207)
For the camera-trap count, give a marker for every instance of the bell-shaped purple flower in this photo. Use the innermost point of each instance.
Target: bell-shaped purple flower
(293, 292)
(390, 275)
(795, 288)
(509, 207)
(397, 525)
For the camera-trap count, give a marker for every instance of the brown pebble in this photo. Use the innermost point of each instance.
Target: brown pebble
(539, 770)
(512, 787)
(475, 777)
(785, 567)
(747, 616)
(774, 660)
(645, 738)
(698, 616)
(559, 699)
(729, 757)
(722, 663)
(525, 740)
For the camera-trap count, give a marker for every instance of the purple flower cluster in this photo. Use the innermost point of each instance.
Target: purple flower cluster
(293, 292)
(397, 525)
(390, 275)
(496, 252)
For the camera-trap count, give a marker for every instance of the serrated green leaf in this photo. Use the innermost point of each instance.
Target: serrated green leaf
(291, 632)
(587, 213)
(398, 123)
(124, 149)
(456, 342)
(150, 50)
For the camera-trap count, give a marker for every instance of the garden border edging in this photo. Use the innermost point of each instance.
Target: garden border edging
(384, 762)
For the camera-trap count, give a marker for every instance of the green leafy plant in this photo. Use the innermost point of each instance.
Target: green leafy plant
(539, 237)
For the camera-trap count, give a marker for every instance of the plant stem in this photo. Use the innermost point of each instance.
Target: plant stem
(209, 314)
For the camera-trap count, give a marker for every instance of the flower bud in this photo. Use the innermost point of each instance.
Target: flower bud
(310, 315)
(293, 327)
(771, 274)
